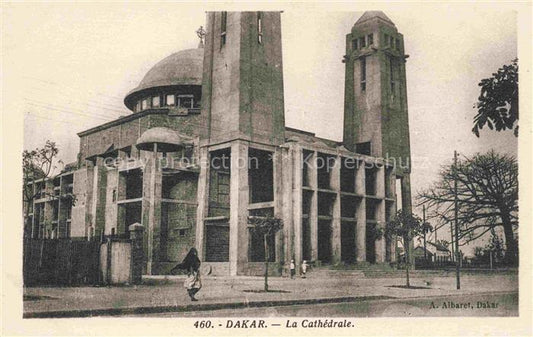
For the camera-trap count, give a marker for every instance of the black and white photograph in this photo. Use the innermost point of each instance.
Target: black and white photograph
(275, 169)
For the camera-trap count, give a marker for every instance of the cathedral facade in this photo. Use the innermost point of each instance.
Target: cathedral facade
(206, 149)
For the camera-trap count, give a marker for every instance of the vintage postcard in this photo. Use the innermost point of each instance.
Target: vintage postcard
(285, 169)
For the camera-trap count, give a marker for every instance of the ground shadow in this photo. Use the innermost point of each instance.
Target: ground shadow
(268, 291)
(410, 287)
(37, 297)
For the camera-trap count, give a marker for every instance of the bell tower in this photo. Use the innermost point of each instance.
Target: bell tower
(375, 106)
(242, 95)
(375, 99)
(242, 103)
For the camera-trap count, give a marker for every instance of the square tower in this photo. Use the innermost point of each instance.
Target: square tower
(375, 107)
(242, 95)
(242, 101)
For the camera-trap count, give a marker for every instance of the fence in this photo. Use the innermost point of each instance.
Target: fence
(67, 262)
(60, 262)
(440, 262)
(444, 262)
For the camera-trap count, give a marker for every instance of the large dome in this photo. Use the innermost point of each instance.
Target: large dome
(181, 68)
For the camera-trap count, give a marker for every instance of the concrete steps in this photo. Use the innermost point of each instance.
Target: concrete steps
(369, 271)
(328, 272)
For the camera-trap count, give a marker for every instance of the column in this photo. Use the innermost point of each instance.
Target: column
(99, 184)
(137, 253)
(380, 213)
(360, 230)
(297, 235)
(202, 197)
(336, 221)
(33, 229)
(313, 213)
(154, 178)
(287, 198)
(238, 222)
(278, 200)
(48, 210)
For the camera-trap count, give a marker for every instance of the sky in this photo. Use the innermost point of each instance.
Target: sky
(67, 68)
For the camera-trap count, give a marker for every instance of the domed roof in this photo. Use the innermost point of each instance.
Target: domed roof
(167, 140)
(181, 68)
(368, 15)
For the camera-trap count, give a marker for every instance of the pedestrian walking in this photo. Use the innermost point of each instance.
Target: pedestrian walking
(303, 269)
(191, 264)
(293, 269)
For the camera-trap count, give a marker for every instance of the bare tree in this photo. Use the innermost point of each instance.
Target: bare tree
(487, 191)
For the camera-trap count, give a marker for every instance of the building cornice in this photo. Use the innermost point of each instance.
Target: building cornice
(123, 119)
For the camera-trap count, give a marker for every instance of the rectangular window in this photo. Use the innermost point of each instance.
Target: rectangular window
(138, 106)
(370, 39)
(171, 100)
(363, 74)
(156, 102)
(259, 27)
(145, 104)
(223, 24)
(398, 44)
(391, 42)
(185, 101)
(385, 40)
(354, 44)
(362, 42)
(363, 148)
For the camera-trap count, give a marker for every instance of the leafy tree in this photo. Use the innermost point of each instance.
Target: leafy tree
(497, 104)
(494, 247)
(406, 226)
(266, 226)
(487, 193)
(36, 165)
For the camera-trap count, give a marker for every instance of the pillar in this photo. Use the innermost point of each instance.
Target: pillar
(380, 213)
(202, 197)
(152, 179)
(286, 204)
(297, 235)
(336, 221)
(360, 230)
(238, 222)
(98, 202)
(313, 213)
(136, 231)
(277, 166)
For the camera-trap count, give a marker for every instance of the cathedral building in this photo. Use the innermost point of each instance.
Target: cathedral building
(206, 148)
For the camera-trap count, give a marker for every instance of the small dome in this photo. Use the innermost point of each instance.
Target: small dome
(167, 140)
(182, 68)
(368, 15)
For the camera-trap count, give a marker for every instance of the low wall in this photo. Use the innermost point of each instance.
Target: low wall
(115, 262)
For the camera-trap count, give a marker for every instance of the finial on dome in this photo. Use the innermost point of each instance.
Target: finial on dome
(201, 35)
